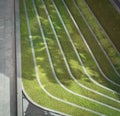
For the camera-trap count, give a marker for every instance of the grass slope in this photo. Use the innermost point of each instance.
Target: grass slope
(100, 34)
(99, 55)
(46, 76)
(58, 64)
(29, 77)
(108, 17)
(83, 52)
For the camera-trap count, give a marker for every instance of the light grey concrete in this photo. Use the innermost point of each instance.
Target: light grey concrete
(7, 59)
(18, 60)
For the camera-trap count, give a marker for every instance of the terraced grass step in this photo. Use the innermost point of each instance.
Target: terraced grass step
(108, 17)
(46, 91)
(29, 77)
(99, 33)
(83, 52)
(61, 71)
(99, 55)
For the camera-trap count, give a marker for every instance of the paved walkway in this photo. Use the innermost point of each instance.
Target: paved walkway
(7, 59)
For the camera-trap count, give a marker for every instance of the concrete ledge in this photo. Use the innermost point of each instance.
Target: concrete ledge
(18, 60)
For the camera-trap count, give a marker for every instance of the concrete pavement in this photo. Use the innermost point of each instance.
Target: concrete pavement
(7, 59)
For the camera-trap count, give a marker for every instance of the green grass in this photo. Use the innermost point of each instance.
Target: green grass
(29, 78)
(108, 17)
(56, 56)
(45, 73)
(115, 58)
(101, 59)
(85, 55)
(63, 77)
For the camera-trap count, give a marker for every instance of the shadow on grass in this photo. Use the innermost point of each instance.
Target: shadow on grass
(42, 58)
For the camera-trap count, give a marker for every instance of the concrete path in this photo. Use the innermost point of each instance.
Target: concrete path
(7, 59)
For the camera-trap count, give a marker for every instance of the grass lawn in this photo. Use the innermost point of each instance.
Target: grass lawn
(99, 55)
(46, 76)
(84, 53)
(29, 78)
(59, 64)
(108, 17)
(100, 34)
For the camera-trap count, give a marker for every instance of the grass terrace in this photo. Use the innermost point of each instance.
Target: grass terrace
(99, 55)
(108, 17)
(54, 87)
(29, 78)
(83, 52)
(100, 34)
